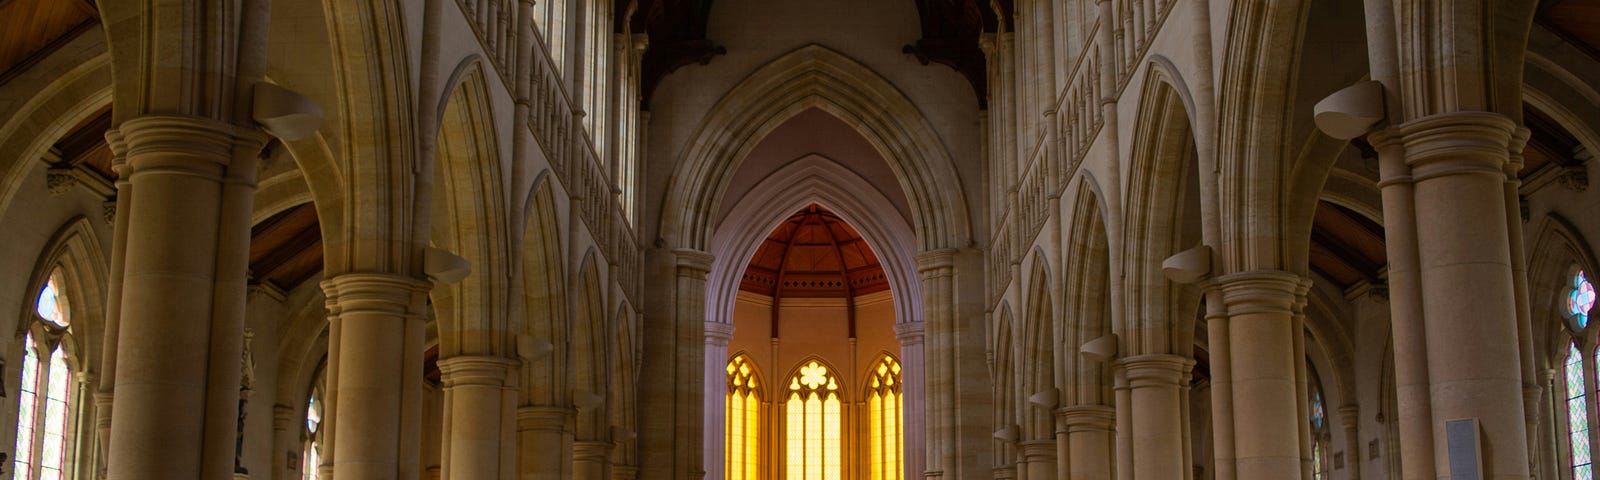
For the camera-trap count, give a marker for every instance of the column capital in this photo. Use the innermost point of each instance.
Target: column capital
(182, 144)
(624, 472)
(550, 418)
(1155, 370)
(381, 292)
(475, 370)
(1350, 415)
(933, 260)
(1038, 450)
(691, 261)
(591, 451)
(719, 333)
(909, 332)
(282, 416)
(1088, 418)
(1262, 291)
(1458, 142)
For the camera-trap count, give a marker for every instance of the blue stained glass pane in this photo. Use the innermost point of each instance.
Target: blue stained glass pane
(1319, 413)
(1581, 299)
(50, 306)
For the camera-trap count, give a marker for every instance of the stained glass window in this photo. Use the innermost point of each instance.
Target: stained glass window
(1580, 300)
(1320, 435)
(1577, 415)
(311, 458)
(50, 305)
(812, 422)
(883, 421)
(28, 393)
(743, 428)
(44, 396)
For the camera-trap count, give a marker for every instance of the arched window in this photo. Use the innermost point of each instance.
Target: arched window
(1319, 431)
(1580, 299)
(1577, 413)
(812, 420)
(883, 419)
(743, 420)
(550, 19)
(44, 394)
(311, 444)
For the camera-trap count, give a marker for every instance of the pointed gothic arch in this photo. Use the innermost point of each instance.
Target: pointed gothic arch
(1037, 357)
(589, 377)
(816, 77)
(469, 219)
(544, 300)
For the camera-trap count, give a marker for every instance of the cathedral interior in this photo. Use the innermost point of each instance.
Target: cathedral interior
(799, 239)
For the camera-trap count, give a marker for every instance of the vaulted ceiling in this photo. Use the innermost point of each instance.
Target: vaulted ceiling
(1577, 21)
(814, 254)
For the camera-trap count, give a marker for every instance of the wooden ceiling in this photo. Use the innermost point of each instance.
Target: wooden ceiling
(814, 254)
(286, 249)
(1577, 21)
(86, 145)
(31, 29)
(1346, 247)
(1548, 143)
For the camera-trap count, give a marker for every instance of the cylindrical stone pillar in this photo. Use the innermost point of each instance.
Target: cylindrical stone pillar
(912, 399)
(1350, 420)
(542, 447)
(590, 459)
(181, 314)
(1090, 430)
(937, 271)
(1264, 372)
(1040, 458)
(476, 389)
(1154, 383)
(718, 334)
(378, 401)
(1457, 164)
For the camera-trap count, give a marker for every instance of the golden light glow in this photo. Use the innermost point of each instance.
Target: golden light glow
(813, 418)
(743, 421)
(883, 422)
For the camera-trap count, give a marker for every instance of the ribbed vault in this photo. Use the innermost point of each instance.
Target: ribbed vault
(814, 254)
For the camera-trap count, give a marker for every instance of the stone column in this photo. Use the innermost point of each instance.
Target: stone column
(937, 271)
(689, 327)
(1350, 420)
(1461, 282)
(1262, 375)
(718, 334)
(1090, 439)
(1155, 382)
(1040, 458)
(620, 472)
(477, 392)
(378, 376)
(286, 443)
(186, 249)
(542, 447)
(912, 397)
(590, 459)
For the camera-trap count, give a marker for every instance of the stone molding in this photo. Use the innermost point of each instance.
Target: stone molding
(1457, 143)
(163, 141)
(550, 418)
(1155, 370)
(384, 293)
(590, 451)
(1088, 418)
(692, 263)
(909, 333)
(934, 263)
(1038, 450)
(1262, 291)
(719, 333)
(476, 370)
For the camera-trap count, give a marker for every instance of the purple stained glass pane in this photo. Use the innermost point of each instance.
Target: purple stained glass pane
(1581, 300)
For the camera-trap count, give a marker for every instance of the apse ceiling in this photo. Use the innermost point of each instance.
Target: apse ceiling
(677, 32)
(814, 254)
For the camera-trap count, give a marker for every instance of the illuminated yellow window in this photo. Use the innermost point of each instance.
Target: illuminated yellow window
(812, 416)
(743, 420)
(883, 419)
